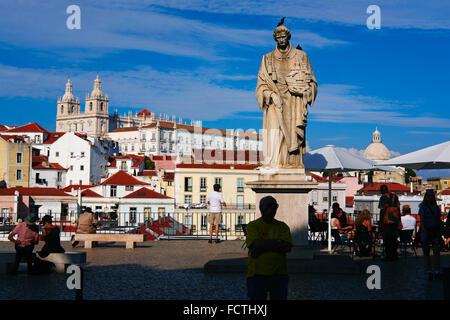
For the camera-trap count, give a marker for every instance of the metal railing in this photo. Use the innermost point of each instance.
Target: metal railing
(182, 224)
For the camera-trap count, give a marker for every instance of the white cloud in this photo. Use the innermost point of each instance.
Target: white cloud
(195, 95)
(431, 14)
(118, 26)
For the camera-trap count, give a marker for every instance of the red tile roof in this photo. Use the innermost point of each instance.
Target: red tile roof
(39, 159)
(125, 129)
(51, 166)
(9, 137)
(169, 176)
(149, 173)
(35, 191)
(391, 187)
(146, 193)
(76, 187)
(218, 166)
(30, 127)
(323, 179)
(445, 192)
(90, 194)
(144, 112)
(122, 178)
(136, 160)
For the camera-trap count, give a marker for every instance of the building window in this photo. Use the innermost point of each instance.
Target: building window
(81, 168)
(80, 182)
(314, 197)
(132, 217)
(204, 222)
(335, 197)
(90, 106)
(219, 182)
(202, 198)
(147, 213)
(188, 220)
(240, 202)
(113, 191)
(82, 154)
(18, 175)
(19, 157)
(169, 183)
(129, 188)
(59, 177)
(37, 139)
(187, 199)
(71, 168)
(325, 196)
(71, 154)
(188, 184)
(56, 154)
(202, 184)
(240, 185)
(161, 212)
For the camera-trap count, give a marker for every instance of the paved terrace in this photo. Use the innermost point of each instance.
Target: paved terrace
(174, 270)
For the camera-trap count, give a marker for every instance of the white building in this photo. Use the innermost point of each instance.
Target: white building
(171, 138)
(45, 174)
(319, 197)
(85, 159)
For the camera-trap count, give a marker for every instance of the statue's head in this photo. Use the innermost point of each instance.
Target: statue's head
(282, 35)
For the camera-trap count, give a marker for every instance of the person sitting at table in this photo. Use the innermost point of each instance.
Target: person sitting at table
(364, 236)
(408, 221)
(337, 232)
(345, 223)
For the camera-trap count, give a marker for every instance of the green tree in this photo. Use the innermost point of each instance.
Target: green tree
(408, 174)
(149, 164)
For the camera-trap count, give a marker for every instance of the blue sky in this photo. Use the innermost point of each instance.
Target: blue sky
(199, 60)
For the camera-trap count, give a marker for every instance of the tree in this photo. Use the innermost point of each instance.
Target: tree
(408, 174)
(149, 164)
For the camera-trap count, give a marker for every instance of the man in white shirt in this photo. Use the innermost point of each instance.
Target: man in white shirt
(215, 202)
(408, 221)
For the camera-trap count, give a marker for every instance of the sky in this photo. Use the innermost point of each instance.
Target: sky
(199, 60)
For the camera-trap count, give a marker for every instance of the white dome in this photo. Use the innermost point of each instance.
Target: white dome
(376, 150)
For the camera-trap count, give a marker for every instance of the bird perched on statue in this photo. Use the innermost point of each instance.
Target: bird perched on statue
(281, 21)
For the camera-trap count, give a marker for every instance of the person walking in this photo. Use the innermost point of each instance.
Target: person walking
(27, 237)
(390, 222)
(268, 241)
(430, 225)
(86, 224)
(215, 202)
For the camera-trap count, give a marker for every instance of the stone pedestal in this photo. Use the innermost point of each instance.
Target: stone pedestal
(290, 188)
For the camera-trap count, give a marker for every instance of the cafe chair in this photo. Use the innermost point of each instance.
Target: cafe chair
(406, 240)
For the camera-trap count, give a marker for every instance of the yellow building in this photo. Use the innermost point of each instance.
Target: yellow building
(193, 182)
(15, 160)
(438, 184)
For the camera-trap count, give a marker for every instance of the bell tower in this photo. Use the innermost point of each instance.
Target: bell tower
(67, 107)
(96, 110)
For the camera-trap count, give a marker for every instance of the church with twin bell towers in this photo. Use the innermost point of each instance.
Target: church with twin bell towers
(94, 121)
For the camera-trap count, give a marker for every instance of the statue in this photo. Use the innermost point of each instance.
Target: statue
(286, 86)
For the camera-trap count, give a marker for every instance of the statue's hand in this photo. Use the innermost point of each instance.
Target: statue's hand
(276, 100)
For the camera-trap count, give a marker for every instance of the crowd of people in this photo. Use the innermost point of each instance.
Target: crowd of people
(395, 225)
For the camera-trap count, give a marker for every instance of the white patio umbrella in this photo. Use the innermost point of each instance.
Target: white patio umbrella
(331, 159)
(434, 157)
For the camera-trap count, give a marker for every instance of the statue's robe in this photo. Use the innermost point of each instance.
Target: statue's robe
(284, 142)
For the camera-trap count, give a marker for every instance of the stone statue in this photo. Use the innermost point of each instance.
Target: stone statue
(286, 86)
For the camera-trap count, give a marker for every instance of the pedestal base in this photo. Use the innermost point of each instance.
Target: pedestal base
(290, 188)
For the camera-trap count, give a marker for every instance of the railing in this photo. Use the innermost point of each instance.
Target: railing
(182, 224)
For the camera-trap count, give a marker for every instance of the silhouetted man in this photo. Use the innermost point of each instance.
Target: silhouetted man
(268, 241)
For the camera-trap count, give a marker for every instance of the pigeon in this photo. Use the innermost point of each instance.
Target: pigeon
(281, 21)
